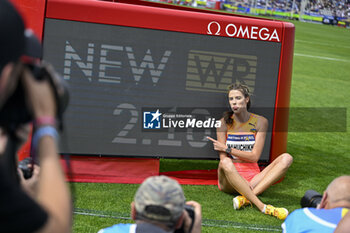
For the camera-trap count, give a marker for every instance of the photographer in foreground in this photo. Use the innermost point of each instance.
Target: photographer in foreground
(159, 207)
(49, 210)
(334, 205)
(344, 224)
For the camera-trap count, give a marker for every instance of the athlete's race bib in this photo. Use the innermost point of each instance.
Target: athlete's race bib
(242, 142)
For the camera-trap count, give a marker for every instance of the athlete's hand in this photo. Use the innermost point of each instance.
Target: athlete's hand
(218, 146)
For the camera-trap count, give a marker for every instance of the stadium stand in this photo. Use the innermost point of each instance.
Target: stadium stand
(335, 12)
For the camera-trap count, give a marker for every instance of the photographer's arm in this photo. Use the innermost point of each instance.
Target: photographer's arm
(344, 224)
(53, 192)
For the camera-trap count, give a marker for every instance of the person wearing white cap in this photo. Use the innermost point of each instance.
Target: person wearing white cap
(159, 207)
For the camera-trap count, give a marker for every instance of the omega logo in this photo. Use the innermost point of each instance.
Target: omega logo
(218, 28)
(244, 31)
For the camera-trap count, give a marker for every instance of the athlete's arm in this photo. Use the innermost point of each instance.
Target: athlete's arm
(221, 137)
(251, 156)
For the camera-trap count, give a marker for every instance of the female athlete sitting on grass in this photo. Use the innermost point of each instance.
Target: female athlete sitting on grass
(240, 142)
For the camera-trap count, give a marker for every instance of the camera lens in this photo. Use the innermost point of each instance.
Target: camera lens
(311, 199)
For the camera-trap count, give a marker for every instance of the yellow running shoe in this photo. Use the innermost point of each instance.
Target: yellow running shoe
(239, 202)
(280, 213)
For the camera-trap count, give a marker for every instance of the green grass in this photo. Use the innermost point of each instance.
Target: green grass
(318, 157)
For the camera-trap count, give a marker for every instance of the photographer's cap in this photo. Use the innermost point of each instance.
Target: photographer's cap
(159, 198)
(15, 40)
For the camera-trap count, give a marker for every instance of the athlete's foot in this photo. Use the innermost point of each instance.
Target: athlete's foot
(239, 202)
(280, 213)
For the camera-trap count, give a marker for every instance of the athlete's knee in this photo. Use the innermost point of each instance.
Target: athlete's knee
(226, 164)
(286, 160)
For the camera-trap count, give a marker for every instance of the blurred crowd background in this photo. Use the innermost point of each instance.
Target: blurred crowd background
(333, 12)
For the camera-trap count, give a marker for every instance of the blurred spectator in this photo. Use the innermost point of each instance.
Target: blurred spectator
(159, 207)
(339, 8)
(48, 207)
(334, 205)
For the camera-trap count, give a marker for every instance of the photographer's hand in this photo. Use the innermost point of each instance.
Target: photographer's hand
(30, 185)
(197, 225)
(40, 95)
(324, 201)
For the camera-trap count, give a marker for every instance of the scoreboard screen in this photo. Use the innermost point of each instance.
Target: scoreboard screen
(135, 72)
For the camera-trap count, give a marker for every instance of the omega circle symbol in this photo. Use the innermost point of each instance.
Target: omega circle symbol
(218, 28)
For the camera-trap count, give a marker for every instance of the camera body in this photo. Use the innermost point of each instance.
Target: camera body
(15, 111)
(190, 210)
(26, 170)
(311, 198)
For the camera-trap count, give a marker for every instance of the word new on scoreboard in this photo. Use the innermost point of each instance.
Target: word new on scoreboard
(150, 80)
